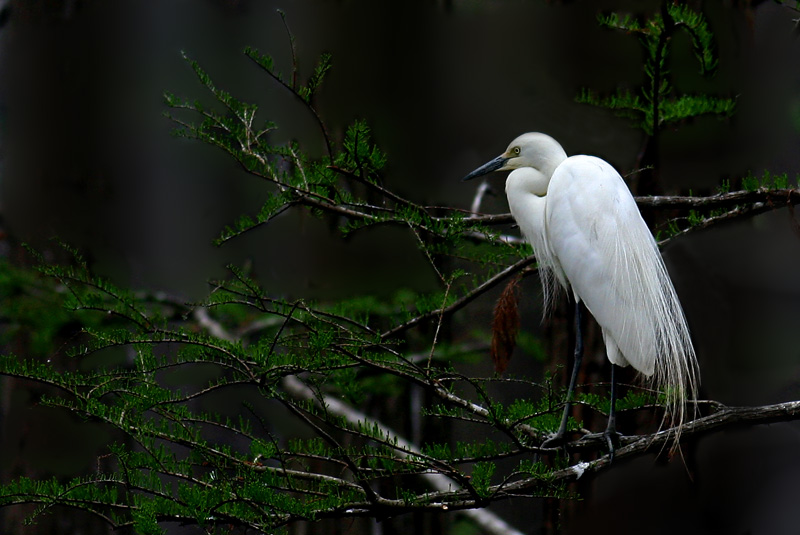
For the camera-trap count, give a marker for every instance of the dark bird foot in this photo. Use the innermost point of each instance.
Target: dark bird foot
(612, 441)
(556, 441)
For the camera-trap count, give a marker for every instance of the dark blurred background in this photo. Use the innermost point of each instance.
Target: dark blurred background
(87, 156)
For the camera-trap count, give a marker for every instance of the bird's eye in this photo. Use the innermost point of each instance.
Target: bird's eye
(515, 150)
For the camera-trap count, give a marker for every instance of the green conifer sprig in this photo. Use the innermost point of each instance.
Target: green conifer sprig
(657, 103)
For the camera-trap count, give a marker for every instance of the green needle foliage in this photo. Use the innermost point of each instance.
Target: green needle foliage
(307, 362)
(177, 459)
(656, 104)
(309, 438)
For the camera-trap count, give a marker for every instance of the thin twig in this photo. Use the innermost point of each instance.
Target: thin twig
(439, 324)
(293, 47)
(463, 301)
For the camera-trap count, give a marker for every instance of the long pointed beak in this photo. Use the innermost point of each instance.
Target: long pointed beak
(487, 168)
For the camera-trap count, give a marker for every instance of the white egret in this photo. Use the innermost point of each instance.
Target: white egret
(588, 235)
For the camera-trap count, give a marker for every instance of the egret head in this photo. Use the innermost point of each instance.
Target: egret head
(536, 150)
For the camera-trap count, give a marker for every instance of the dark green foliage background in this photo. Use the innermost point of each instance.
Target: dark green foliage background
(416, 95)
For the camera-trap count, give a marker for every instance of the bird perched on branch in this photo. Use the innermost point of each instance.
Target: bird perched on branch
(589, 237)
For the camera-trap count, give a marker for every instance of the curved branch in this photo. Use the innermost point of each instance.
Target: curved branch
(635, 446)
(463, 301)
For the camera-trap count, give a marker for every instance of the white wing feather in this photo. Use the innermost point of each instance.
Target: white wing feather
(598, 239)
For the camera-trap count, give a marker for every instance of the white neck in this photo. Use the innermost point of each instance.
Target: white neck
(526, 189)
(526, 180)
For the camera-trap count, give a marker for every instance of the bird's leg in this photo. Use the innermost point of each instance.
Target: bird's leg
(611, 435)
(558, 438)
